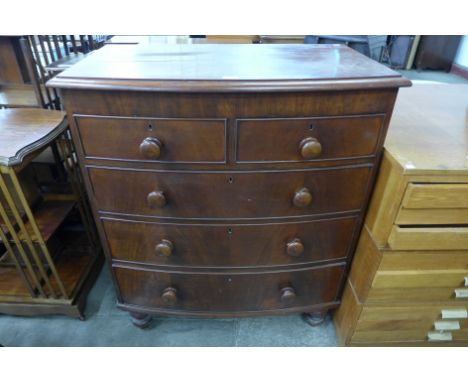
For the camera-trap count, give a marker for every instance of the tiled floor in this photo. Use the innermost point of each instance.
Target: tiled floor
(108, 326)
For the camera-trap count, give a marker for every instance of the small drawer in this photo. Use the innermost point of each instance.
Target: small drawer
(428, 238)
(434, 204)
(436, 196)
(416, 335)
(424, 261)
(307, 139)
(417, 286)
(424, 323)
(422, 314)
(192, 194)
(222, 292)
(420, 279)
(153, 139)
(237, 245)
(414, 295)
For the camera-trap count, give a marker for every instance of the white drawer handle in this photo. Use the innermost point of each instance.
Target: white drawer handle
(439, 336)
(447, 325)
(454, 313)
(461, 293)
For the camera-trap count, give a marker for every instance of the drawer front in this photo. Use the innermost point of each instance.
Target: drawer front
(220, 292)
(229, 245)
(434, 204)
(419, 285)
(427, 238)
(229, 195)
(436, 196)
(420, 279)
(426, 324)
(307, 139)
(417, 295)
(153, 139)
(424, 260)
(419, 335)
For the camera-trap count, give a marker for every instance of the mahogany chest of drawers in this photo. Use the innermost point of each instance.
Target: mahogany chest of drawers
(228, 180)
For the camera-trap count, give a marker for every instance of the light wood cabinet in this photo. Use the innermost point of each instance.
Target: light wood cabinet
(408, 283)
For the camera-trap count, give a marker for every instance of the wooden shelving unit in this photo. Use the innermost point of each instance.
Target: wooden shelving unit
(49, 250)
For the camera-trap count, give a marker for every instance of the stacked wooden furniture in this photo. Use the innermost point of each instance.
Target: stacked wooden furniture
(409, 278)
(49, 250)
(228, 179)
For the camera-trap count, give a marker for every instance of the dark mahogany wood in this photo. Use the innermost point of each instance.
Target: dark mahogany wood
(228, 292)
(229, 180)
(228, 245)
(153, 139)
(233, 67)
(299, 139)
(230, 194)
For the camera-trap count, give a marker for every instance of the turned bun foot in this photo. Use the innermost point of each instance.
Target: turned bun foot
(314, 318)
(140, 320)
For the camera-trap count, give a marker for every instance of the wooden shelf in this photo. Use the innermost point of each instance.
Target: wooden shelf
(72, 263)
(49, 216)
(74, 260)
(11, 283)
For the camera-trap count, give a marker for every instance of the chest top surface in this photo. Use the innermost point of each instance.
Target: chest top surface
(228, 67)
(429, 128)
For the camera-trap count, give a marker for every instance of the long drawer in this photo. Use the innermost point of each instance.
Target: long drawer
(228, 292)
(167, 140)
(267, 194)
(307, 139)
(220, 245)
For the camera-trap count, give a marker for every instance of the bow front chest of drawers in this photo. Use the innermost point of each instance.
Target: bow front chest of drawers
(228, 180)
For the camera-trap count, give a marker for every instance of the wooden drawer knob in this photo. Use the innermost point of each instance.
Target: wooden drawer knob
(294, 247)
(287, 294)
(310, 148)
(302, 197)
(150, 148)
(169, 295)
(164, 248)
(156, 199)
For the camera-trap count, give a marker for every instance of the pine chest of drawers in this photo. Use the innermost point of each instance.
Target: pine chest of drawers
(228, 180)
(408, 283)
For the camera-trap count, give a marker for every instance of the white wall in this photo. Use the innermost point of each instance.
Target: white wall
(461, 58)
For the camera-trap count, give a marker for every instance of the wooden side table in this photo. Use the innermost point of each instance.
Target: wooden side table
(49, 250)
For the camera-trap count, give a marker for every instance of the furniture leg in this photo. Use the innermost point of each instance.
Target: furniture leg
(140, 320)
(315, 318)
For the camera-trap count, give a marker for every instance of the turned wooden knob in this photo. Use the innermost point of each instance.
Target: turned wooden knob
(294, 247)
(310, 148)
(150, 148)
(156, 199)
(169, 295)
(302, 197)
(164, 248)
(287, 294)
